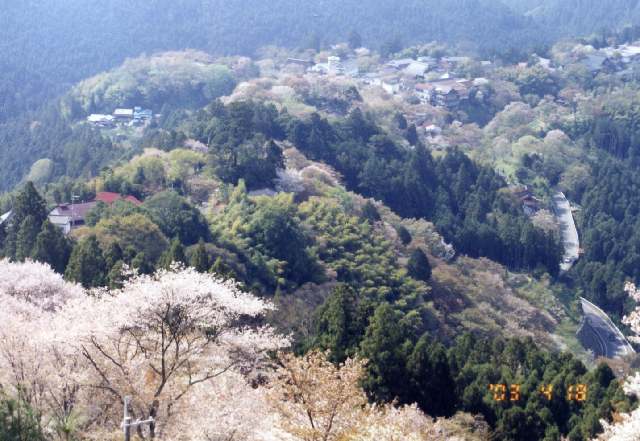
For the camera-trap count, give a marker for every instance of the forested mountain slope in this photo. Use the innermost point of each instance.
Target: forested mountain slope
(73, 39)
(60, 43)
(584, 16)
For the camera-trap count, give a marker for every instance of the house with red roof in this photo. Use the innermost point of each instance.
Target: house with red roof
(70, 216)
(109, 198)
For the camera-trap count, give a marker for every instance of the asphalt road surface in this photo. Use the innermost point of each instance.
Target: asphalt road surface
(570, 239)
(610, 339)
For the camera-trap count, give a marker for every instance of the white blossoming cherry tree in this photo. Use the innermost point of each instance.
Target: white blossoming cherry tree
(162, 335)
(159, 339)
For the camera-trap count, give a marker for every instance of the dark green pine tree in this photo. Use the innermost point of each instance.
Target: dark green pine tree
(52, 247)
(200, 258)
(418, 266)
(116, 277)
(112, 255)
(403, 234)
(432, 385)
(29, 203)
(9, 246)
(142, 264)
(26, 238)
(401, 121)
(412, 134)
(87, 265)
(370, 212)
(385, 347)
(339, 325)
(221, 269)
(173, 254)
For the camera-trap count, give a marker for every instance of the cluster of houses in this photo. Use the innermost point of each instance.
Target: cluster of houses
(530, 204)
(132, 117)
(621, 60)
(408, 75)
(68, 217)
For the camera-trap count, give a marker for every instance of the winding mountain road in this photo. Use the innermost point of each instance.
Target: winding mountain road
(610, 341)
(568, 230)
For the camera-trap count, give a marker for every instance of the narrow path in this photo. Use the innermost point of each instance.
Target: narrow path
(568, 230)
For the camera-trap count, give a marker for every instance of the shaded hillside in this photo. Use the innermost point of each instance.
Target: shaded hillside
(576, 17)
(74, 39)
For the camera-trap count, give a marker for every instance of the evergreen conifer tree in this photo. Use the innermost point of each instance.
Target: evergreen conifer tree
(200, 258)
(384, 346)
(432, 386)
(26, 238)
(412, 134)
(418, 266)
(87, 265)
(174, 254)
(51, 247)
(339, 324)
(113, 255)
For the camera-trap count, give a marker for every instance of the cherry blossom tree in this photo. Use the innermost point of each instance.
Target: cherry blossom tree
(163, 335)
(627, 427)
(316, 400)
(176, 342)
(34, 367)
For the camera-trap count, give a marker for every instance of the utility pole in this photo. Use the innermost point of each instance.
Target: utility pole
(127, 424)
(73, 211)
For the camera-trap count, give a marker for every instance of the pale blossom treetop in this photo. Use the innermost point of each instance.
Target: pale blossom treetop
(36, 283)
(627, 426)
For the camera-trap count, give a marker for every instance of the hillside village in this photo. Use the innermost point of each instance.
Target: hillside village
(135, 117)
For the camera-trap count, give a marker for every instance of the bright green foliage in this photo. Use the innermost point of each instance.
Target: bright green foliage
(340, 324)
(188, 79)
(267, 235)
(177, 218)
(418, 266)
(135, 230)
(200, 258)
(52, 247)
(18, 422)
(173, 254)
(86, 264)
(359, 254)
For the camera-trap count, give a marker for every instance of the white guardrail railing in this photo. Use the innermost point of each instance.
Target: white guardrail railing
(611, 324)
